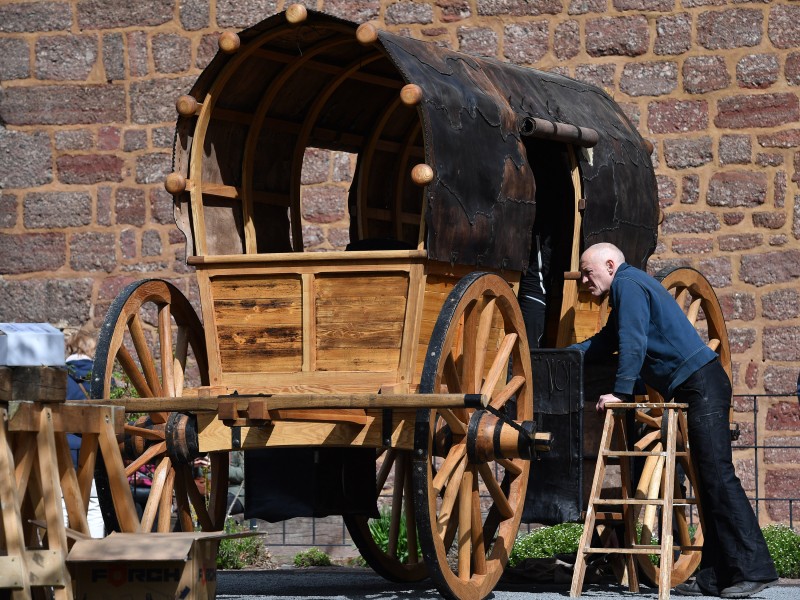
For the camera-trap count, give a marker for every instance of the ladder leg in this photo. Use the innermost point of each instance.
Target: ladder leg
(665, 579)
(579, 571)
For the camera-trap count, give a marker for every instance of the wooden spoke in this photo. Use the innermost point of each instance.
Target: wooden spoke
(512, 387)
(386, 468)
(198, 502)
(457, 426)
(465, 526)
(500, 365)
(694, 310)
(165, 506)
(451, 495)
(453, 461)
(181, 352)
(145, 356)
(451, 376)
(132, 371)
(511, 467)
(501, 502)
(176, 337)
(182, 498)
(148, 434)
(482, 335)
(469, 359)
(154, 499)
(714, 344)
(145, 458)
(165, 343)
(410, 514)
(397, 504)
(481, 314)
(476, 528)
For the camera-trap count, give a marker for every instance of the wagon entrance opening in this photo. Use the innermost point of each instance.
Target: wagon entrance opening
(551, 241)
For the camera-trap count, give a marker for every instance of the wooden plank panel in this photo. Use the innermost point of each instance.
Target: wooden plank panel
(333, 286)
(346, 307)
(261, 363)
(360, 336)
(257, 286)
(257, 312)
(350, 359)
(257, 340)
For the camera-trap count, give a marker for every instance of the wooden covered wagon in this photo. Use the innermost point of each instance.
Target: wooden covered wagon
(409, 347)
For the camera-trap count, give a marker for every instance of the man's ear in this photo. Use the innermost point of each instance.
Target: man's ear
(610, 265)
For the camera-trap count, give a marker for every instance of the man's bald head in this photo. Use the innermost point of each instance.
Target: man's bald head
(599, 264)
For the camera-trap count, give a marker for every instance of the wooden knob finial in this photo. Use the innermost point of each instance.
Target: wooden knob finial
(175, 183)
(229, 42)
(366, 34)
(187, 105)
(422, 174)
(296, 13)
(411, 94)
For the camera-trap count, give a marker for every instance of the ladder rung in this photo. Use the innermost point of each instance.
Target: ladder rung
(595, 550)
(633, 501)
(619, 453)
(607, 516)
(628, 501)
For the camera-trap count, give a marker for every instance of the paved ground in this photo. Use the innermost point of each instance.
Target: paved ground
(340, 583)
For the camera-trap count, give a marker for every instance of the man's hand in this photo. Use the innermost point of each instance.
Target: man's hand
(605, 400)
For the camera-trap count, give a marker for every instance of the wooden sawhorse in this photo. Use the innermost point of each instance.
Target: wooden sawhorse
(36, 471)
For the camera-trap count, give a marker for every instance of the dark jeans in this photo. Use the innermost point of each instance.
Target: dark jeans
(733, 546)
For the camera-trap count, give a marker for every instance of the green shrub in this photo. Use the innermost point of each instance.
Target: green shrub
(784, 547)
(313, 557)
(547, 542)
(379, 528)
(238, 553)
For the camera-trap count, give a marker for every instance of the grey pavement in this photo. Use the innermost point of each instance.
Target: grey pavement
(343, 583)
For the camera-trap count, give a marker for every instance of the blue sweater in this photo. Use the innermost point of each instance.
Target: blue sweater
(654, 338)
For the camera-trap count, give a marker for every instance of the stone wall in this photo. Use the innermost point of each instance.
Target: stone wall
(87, 123)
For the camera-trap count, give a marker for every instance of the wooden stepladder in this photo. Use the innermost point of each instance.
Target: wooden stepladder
(657, 487)
(36, 472)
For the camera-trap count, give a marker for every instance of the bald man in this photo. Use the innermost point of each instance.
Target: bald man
(657, 343)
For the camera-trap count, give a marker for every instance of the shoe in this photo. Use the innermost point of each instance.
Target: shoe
(745, 589)
(693, 588)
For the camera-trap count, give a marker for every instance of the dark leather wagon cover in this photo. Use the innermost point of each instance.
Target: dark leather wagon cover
(481, 203)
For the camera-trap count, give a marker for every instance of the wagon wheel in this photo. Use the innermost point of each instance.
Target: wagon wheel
(400, 560)
(696, 298)
(155, 438)
(461, 498)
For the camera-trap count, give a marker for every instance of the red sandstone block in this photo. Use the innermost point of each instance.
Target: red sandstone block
(762, 110)
(324, 203)
(89, 168)
(526, 43)
(737, 188)
(617, 36)
(732, 28)
(567, 39)
(63, 104)
(770, 267)
(769, 220)
(454, 10)
(673, 34)
(653, 78)
(757, 71)
(690, 222)
(31, 252)
(781, 305)
(783, 28)
(779, 379)
(738, 306)
(93, 251)
(479, 41)
(786, 138)
(519, 8)
(406, 12)
(677, 116)
(735, 242)
(702, 74)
